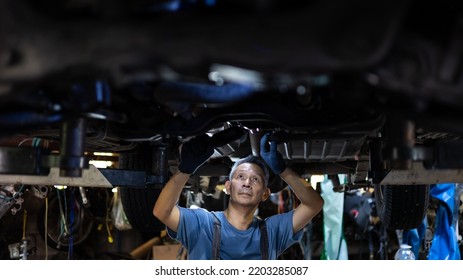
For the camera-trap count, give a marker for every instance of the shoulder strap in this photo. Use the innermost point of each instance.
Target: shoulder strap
(263, 240)
(216, 235)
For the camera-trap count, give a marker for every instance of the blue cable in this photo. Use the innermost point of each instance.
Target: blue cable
(71, 222)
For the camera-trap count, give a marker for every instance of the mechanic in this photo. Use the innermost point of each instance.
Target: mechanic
(236, 232)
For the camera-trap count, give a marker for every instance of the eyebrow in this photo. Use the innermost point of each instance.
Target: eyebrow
(237, 172)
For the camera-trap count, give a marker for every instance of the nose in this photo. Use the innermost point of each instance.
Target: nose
(247, 183)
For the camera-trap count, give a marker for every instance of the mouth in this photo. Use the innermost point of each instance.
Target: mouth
(248, 194)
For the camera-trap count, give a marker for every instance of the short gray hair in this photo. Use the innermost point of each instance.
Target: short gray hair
(255, 160)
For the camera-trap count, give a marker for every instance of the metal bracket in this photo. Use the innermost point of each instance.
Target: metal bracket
(418, 175)
(91, 177)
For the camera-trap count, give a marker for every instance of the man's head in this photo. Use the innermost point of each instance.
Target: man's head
(254, 160)
(248, 182)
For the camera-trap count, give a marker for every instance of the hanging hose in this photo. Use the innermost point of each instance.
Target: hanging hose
(71, 221)
(63, 223)
(108, 219)
(24, 224)
(46, 227)
(23, 246)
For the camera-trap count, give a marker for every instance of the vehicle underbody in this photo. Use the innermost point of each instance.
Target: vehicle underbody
(368, 89)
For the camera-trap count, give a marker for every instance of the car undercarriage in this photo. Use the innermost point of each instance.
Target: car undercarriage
(368, 89)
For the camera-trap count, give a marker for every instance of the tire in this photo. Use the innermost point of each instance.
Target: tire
(402, 207)
(138, 203)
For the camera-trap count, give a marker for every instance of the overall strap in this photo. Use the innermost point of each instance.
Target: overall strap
(216, 238)
(263, 240)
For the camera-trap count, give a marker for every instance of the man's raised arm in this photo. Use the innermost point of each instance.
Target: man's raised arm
(193, 154)
(311, 201)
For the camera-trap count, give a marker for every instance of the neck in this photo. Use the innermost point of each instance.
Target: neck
(240, 217)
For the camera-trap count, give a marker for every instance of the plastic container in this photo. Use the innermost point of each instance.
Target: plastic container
(404, 253)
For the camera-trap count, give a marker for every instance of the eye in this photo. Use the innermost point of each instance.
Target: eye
(256, 180)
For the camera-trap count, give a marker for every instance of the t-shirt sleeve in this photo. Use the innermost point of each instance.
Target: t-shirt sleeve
(280, 228)
(189, 225)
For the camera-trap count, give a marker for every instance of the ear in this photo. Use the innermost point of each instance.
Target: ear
(266, 194)
(227, 187)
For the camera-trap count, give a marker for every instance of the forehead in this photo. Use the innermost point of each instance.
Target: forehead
(250, 168)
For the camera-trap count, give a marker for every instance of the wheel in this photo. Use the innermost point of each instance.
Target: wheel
(402, 207)
(138, 207)
(138, 203)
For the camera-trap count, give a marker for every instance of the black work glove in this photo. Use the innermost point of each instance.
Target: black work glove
(269, 152)
(194, 153)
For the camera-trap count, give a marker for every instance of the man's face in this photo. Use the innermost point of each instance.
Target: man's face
(247, 186)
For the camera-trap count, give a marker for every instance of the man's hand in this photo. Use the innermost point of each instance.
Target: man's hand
(311, 201)
(195, 153)
(269, 152)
